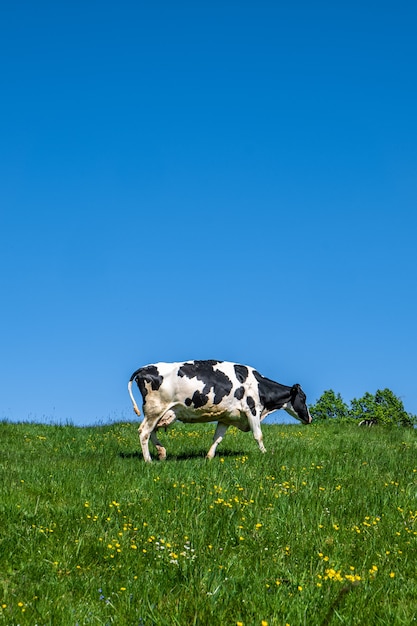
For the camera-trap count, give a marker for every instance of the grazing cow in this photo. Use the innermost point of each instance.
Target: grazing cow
(210, 391)
(369, 422)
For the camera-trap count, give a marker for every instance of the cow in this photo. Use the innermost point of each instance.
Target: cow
(368, 422)
(210, 391)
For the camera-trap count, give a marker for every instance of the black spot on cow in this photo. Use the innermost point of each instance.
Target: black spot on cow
(213, 380)
(241, 372)
(150, 375)
(199, 399)
(251, 404)
(239, 393)
(193, 369)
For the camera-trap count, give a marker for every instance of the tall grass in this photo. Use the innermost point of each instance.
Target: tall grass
(320, 530)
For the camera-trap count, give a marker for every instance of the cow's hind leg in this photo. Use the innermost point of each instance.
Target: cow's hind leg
(145, 430)
(148, 430)
(218, 436)
(166, 420)
(162, 453)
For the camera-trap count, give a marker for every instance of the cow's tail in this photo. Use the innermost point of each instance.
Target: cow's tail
(129, 386)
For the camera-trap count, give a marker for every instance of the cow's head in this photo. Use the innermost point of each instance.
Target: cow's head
(297, 406)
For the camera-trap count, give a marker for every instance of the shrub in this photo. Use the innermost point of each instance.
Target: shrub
(382, 408)
(329, 406)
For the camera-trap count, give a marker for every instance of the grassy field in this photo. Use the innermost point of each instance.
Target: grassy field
(322, 530)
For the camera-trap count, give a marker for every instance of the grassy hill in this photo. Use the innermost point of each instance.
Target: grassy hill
(321, 530)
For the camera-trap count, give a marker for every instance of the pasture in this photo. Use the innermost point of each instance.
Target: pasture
(321, 530)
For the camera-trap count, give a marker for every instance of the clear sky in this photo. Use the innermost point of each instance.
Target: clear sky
(222, 179)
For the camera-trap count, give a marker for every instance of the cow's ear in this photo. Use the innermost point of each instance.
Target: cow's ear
(295, 389)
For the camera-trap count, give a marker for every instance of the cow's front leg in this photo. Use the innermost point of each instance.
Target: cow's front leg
(218, 436)
(255, 425)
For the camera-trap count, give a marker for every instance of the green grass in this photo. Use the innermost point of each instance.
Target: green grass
(321, 530)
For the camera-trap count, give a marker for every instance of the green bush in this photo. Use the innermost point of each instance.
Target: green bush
(382, 408)
(329, 406)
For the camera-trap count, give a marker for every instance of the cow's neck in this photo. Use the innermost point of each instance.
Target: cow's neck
(273, 395)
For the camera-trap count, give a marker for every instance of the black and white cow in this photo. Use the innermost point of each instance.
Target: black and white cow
(210, 391)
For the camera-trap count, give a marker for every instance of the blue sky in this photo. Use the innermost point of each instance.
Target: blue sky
(230, 180)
